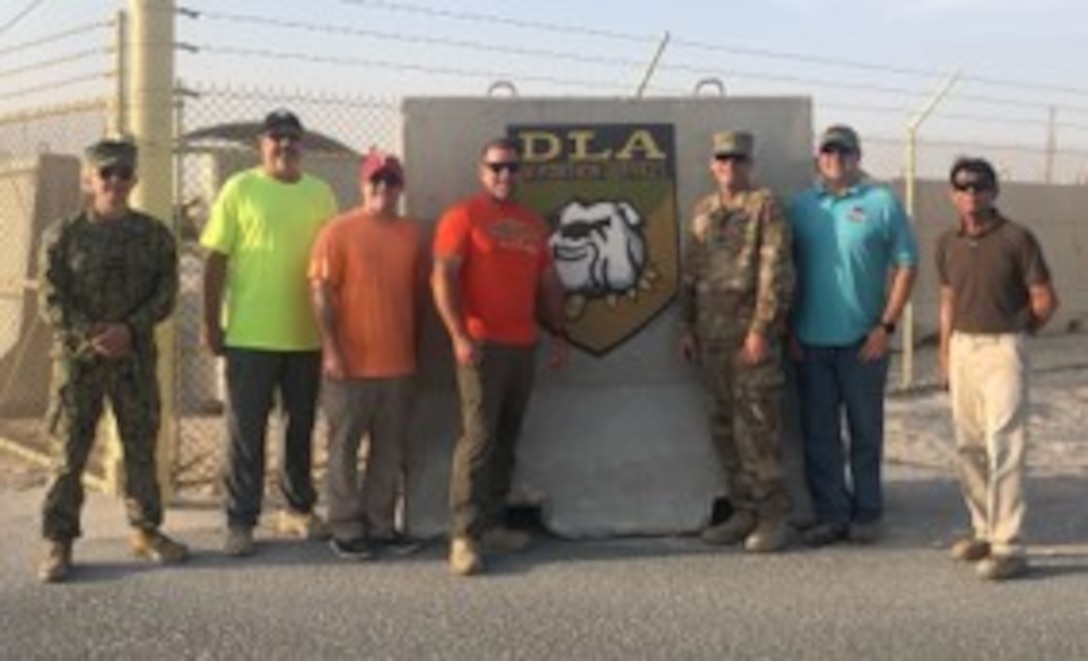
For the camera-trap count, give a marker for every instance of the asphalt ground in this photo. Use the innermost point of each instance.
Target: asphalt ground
(634, 598)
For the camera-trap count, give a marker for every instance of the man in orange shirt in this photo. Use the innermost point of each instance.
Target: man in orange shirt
(493, 270)
(367, 281)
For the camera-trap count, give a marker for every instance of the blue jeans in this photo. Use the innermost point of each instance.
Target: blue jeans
(832, 381)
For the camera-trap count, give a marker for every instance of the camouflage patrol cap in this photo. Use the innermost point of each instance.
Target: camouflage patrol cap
(735, 143)
(111, 151)
(840, 135)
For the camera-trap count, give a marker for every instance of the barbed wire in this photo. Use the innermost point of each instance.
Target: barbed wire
(402, 66)
(56, 84)
(34, 4)
(52, 62)
(496, 19)
(702, 70)
(57, 36)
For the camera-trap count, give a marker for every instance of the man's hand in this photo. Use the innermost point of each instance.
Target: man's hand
(332, 364)
(560, 352)
(689, 347)
(466, 351)
(942, 369)
(213, 339)
(112, 340)
(755, 350)
(876, 345)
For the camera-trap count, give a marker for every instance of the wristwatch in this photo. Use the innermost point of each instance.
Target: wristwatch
(888, 326)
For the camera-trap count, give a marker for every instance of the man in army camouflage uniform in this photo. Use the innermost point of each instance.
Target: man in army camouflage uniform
(737, 285)
(108, 276)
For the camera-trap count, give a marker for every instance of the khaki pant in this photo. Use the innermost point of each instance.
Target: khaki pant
(494, 399)
(988, 380)
(380, 410)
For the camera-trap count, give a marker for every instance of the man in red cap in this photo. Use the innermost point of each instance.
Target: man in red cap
(367, 279)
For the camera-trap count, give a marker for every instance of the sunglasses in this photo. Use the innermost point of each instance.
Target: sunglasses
(280, 136)
(510, 166)
(973, 187)
(736, 158)
(120, 172)
(841, 150)
(390, 180)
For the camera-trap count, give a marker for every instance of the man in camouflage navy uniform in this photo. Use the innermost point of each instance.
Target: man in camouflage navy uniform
(737, 285)
(108, 276)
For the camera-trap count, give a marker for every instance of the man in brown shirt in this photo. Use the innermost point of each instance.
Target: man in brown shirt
(995, 289)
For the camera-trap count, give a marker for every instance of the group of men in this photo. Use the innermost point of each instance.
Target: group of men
(829, 279)
(306, 305)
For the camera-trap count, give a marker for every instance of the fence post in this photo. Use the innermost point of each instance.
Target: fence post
(151, 118)
(907, 374)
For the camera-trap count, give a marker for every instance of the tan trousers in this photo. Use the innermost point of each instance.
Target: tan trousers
(988, 380)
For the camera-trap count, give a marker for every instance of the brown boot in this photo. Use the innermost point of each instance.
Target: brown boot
(154, 546)
(501, 539)
(465, 557)
(732, 531)
(56, 563)
(970, 549)
(772, 534)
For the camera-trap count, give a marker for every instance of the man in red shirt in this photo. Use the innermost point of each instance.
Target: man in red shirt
(367, 282)
(493, 270)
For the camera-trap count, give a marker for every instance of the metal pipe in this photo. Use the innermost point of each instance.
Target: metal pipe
(907, 374)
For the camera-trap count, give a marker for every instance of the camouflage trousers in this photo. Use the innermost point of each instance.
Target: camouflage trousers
(746, 408)
(80, 390)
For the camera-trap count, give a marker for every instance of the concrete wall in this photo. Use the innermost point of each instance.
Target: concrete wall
(34, 193)
(617, 444)
(1057, 214)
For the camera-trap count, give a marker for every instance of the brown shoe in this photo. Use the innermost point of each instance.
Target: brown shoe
(1002, 567)
(866, 534)
(823, 534)
(154, 546)
(732, 531)
(970, 549)
(56, 563)
(465, 558)
(303, 525)
(501, 539)
(770, 535)
(238, 542)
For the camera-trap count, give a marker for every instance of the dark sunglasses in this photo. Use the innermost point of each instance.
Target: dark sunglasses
(390, 180)
(280, 136)
(841, 150)
(121, 172)
(510, 166)
(737, 158)
(973, 187)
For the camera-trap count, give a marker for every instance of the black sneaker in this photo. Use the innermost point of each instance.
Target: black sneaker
(359, 548)
(398, 544)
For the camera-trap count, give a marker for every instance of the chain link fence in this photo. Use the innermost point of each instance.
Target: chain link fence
(217, 137)
(39, 184)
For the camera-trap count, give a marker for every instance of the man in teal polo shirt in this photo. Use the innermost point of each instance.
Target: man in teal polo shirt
(856, 259)
(259, 236)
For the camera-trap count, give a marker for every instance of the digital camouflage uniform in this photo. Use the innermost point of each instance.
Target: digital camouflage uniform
(122, 270)
(738, 277)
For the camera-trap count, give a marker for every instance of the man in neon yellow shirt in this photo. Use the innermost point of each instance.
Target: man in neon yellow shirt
(259, 238)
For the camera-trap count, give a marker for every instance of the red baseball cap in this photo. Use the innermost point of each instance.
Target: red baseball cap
(378, 162)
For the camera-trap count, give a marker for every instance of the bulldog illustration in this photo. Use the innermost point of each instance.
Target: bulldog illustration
(599, 250)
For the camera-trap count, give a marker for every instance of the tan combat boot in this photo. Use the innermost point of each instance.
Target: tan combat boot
(303, 525)
(56, 563)
(154, 546)
(970, 549)
(771, 535)
(501, 539)
(465, 558)
(732, 531)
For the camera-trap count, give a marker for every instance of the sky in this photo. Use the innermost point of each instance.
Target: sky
(871, 63)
